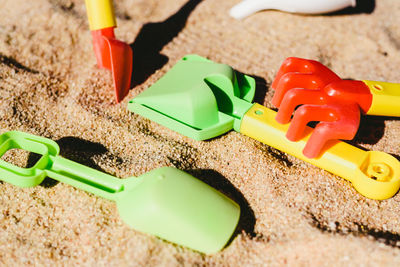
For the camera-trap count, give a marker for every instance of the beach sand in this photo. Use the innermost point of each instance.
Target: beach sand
(292, 212)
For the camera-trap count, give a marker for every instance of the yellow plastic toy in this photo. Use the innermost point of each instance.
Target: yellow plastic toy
(374, 174)
(385, 98)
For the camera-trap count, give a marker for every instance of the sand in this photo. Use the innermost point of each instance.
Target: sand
(292, 213)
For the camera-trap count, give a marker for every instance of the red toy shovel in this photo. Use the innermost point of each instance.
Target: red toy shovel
(110, 53)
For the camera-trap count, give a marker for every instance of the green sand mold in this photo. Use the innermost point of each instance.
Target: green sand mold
(182, 100)
(165, 202)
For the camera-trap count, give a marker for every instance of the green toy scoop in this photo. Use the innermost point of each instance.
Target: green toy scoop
(165, 202)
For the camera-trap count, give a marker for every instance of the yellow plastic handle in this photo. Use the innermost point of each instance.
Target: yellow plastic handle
(100, 14)
(385, 98)
(374, 174)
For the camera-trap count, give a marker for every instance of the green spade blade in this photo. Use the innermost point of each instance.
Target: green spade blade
(177, 207)
(197, 98)
(165, 202)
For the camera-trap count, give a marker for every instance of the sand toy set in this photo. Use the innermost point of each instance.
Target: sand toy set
(216, 99)
(202, 99)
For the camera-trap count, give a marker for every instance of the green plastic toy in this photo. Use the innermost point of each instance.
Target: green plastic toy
(165, 202)
(182, 100)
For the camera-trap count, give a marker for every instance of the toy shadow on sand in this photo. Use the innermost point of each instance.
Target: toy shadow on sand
(151, 39)
(76, 149)
(362, 7)
(261, 89)
(216, 180)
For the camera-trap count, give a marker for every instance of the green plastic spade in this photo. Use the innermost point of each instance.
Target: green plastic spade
(165, 202)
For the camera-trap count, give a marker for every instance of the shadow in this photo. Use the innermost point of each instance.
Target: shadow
(214, 179)
(152, 38)
(12, 63)
(388, 238)
(362, 7)
(261, 90)
(370, 131)
(75, 149)
(33, 158)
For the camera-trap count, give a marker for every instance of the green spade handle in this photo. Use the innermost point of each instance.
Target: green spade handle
(85, 178)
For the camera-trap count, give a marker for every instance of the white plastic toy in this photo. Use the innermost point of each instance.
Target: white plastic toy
(248, 7)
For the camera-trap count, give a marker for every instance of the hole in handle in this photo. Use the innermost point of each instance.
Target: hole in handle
(379, 171)
(21, 158)
(378, 87)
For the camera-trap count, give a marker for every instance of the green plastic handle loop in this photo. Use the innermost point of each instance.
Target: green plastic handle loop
(53, 166)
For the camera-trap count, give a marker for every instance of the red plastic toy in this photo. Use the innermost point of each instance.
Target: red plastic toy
(322, 96)
(111, 53)
(116, 56)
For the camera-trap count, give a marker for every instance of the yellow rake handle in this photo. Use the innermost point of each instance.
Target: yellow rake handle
(385, 98)
(374, 174)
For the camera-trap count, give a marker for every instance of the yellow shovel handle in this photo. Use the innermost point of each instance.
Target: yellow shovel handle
(385, 98)
(374, 174)
(100, 14)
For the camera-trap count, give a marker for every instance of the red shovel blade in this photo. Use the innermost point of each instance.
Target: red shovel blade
(116, 56)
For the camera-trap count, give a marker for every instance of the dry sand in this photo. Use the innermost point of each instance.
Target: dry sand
(293, 213)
